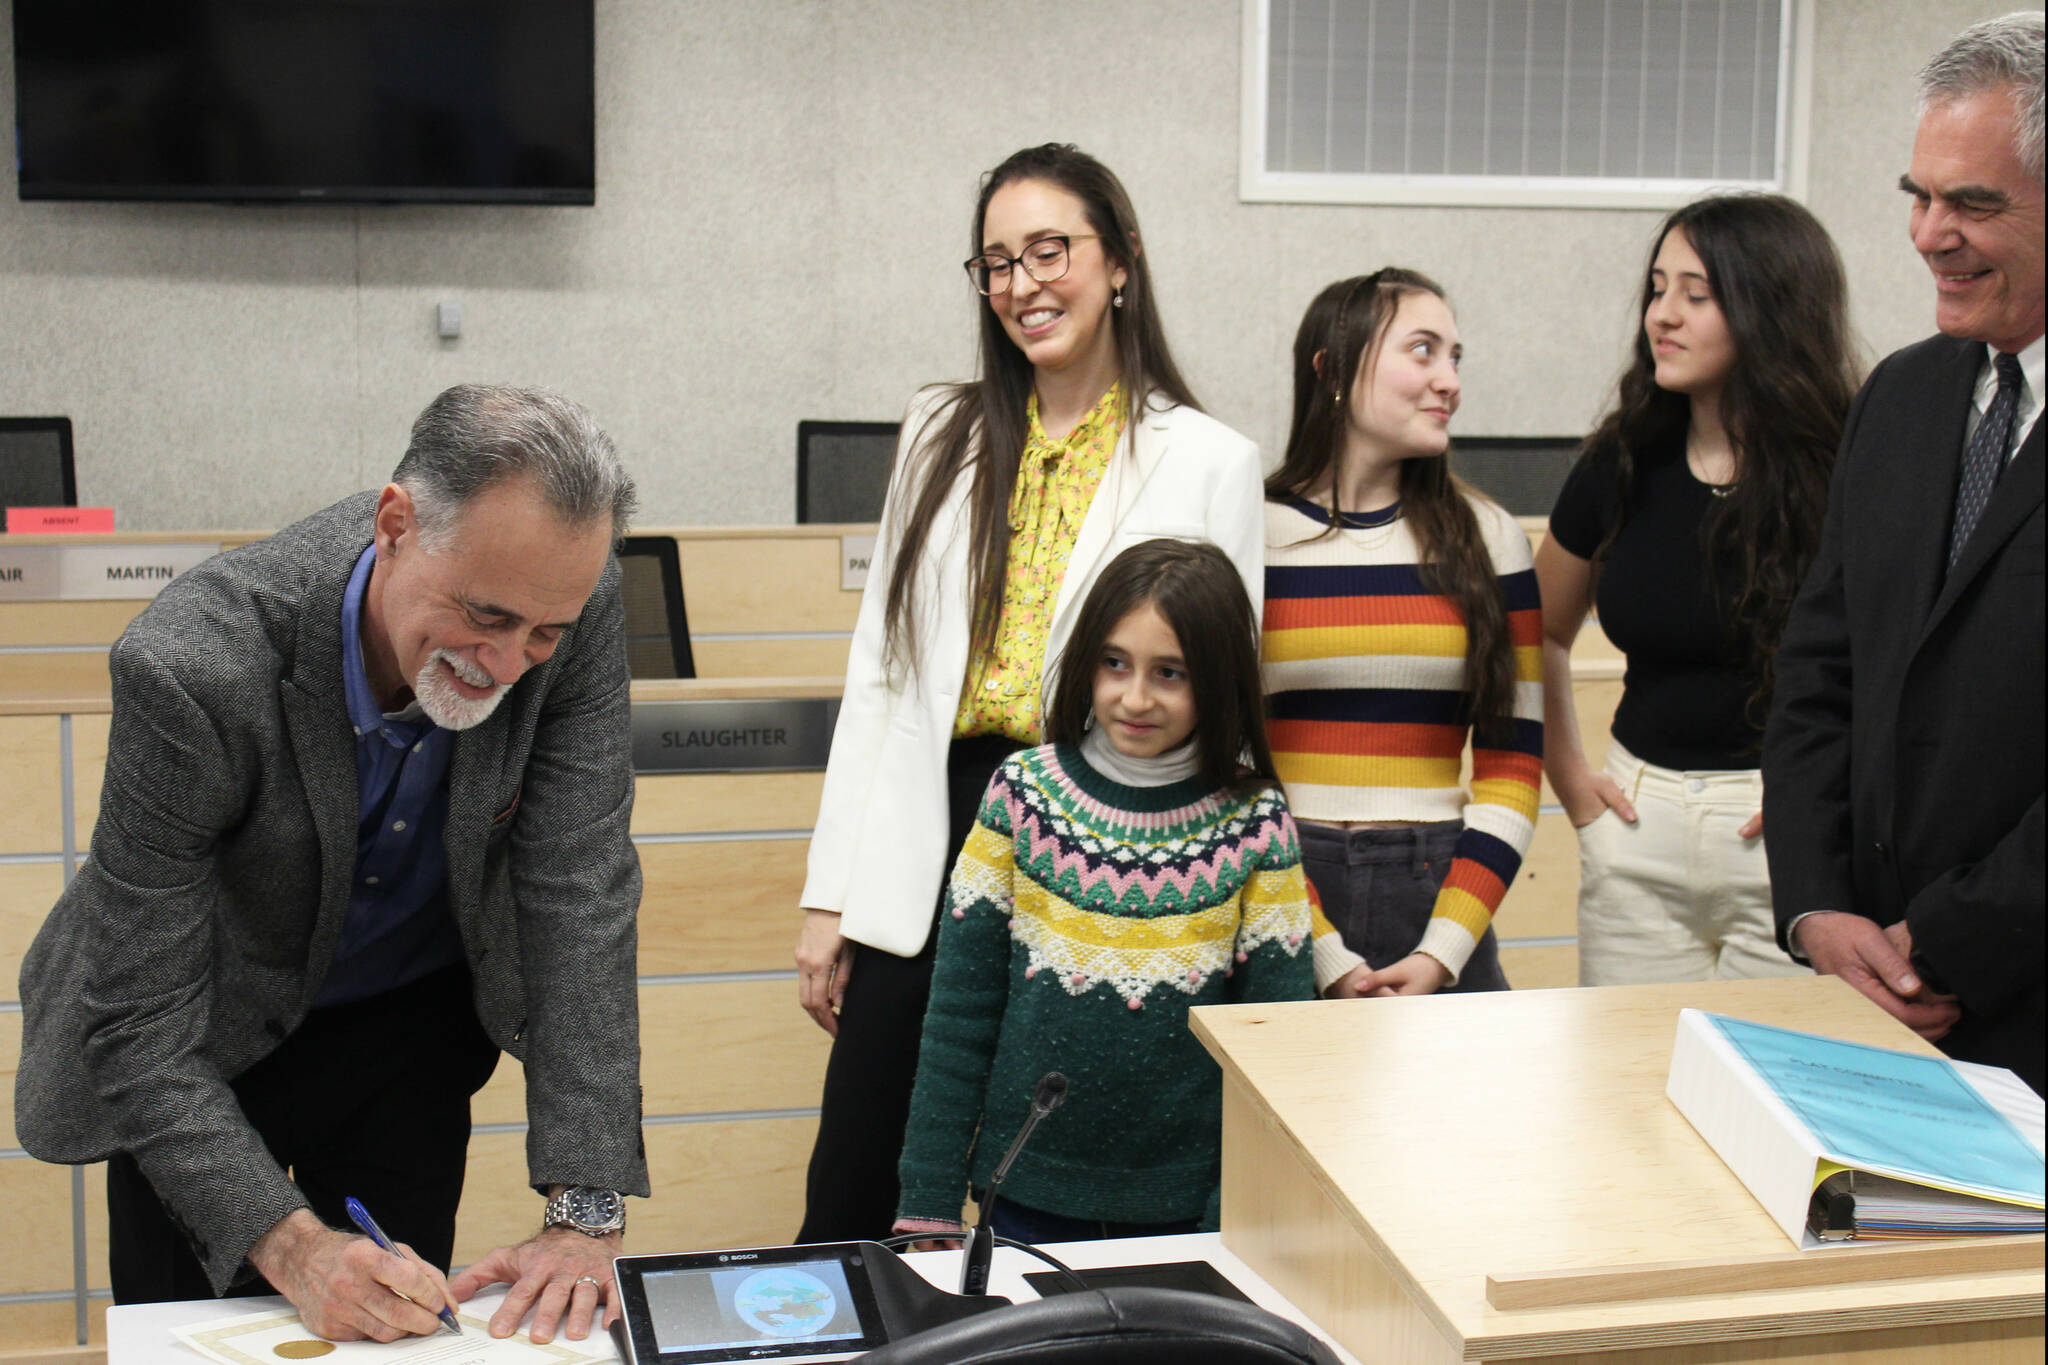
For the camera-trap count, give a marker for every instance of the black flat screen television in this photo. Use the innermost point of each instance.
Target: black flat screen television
(344, 101)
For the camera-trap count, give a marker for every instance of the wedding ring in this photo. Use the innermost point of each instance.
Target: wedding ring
(591, 1280)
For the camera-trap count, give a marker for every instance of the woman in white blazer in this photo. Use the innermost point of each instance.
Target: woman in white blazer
(975, 542)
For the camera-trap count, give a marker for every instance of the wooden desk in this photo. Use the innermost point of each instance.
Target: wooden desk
(1382, 1158)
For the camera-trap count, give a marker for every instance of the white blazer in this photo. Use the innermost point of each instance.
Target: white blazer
(879, 852)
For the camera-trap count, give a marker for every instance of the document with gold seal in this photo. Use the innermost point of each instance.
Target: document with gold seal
(277, 1337)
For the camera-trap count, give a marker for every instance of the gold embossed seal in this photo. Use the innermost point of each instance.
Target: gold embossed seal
(302, 1350)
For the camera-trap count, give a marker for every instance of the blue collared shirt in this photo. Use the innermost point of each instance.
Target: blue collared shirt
(399, 926)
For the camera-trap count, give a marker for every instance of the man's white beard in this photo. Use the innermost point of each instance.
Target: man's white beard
(445, 706)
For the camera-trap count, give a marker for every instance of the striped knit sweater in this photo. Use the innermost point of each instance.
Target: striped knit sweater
(1084, 919)
(1364, 675)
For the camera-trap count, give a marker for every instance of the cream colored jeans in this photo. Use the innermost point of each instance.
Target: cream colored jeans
(1677, 896)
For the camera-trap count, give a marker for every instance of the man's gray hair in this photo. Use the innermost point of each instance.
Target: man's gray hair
(476, 436)
(1998, 54)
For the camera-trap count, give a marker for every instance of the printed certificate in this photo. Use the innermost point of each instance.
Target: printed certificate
(276, 1338)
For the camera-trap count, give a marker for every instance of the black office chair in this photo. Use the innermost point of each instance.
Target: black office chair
(842, 470)
(1126, 1326)
(1521, 473)
(36, 467)
(657, 627)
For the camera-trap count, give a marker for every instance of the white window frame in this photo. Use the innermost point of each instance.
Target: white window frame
(1257, 185)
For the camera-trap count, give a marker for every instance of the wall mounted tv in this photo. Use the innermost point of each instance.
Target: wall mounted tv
(342, 101)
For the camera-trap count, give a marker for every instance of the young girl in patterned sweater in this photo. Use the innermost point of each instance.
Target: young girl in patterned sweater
(1139, 864)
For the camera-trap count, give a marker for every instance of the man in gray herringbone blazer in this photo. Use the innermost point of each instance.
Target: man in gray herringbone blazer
(364, 824)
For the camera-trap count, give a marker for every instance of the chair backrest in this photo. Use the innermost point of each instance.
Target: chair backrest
(1125, 1326)
(1521, 473)
(842, 470)
(657, 627)
(36, 468)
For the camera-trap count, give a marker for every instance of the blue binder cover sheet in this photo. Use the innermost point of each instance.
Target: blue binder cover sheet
(1892, 1112)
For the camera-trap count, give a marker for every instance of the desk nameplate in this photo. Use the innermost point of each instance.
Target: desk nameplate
(856, 554)
(720, 735)
(95, 573)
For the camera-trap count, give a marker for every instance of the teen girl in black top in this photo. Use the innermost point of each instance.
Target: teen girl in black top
(1689, 522)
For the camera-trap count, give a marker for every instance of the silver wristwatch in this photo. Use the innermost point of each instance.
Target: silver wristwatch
(587, 1209)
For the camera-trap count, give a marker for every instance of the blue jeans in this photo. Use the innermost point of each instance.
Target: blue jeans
(1035, 1226)
(1379, 887)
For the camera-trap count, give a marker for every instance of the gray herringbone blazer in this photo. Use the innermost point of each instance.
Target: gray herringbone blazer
(196, 936)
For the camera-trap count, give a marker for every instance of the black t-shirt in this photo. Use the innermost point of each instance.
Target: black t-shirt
(1685, 697)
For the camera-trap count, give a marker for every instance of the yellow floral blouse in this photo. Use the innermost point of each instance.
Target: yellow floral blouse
(1055, 484)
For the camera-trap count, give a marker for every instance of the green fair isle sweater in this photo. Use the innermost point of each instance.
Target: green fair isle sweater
(1083, 920)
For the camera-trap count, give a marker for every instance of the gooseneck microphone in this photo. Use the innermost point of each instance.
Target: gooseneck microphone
(1049, 1094)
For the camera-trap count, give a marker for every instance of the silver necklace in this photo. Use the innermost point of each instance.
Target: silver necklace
(1719, 490)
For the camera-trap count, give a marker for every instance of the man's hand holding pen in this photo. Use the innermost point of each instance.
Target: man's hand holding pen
(348, 1288)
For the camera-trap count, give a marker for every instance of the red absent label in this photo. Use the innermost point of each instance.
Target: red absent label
(45, 521)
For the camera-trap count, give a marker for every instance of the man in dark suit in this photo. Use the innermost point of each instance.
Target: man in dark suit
(1903, 768)
(364, 824)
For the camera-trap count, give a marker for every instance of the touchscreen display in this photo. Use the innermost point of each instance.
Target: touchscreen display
(799, 1305)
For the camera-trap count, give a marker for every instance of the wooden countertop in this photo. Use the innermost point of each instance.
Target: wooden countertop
(54, 702)
(735, 689)
(804, 531)
(40, 702)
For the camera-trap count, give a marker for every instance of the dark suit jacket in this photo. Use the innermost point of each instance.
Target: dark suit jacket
(1903, 769)
(197, 935)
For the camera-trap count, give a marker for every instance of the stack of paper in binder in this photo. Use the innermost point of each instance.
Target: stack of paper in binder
(1843, 1142)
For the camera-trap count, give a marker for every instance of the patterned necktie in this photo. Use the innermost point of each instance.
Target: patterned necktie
(1985, 459)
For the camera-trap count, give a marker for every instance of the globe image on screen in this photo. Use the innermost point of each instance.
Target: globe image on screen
(785, 1303)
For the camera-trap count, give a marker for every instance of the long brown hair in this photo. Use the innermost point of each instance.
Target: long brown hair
(1774, 272)
(982, 425)
(1339, 338)
(1197, 590)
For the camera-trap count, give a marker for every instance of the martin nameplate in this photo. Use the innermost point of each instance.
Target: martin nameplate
(721, 736)
(97, 572)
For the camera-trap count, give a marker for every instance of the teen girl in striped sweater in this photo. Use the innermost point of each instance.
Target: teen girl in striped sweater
(1401, 620)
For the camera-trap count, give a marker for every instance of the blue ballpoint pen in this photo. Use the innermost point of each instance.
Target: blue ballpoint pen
(361, 1217)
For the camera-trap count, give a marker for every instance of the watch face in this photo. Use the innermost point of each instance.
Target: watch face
(595, 1208)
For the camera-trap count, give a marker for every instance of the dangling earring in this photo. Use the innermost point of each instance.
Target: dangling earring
(1088, 722)
(1116, 300)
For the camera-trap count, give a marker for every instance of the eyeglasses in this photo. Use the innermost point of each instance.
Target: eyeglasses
(1045, 260)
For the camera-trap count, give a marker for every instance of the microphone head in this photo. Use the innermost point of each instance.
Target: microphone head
(1051, 1092)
